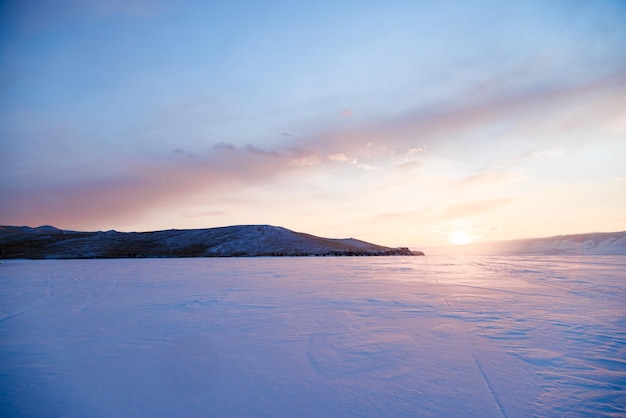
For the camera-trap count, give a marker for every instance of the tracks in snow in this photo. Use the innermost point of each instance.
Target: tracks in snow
(479, 366)
(486, 380)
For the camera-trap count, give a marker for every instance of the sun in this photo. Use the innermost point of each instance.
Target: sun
(460, 237)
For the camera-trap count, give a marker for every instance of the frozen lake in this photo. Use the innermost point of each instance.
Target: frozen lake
(363, 336)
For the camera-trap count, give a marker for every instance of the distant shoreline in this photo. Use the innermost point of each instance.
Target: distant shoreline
(47, 242)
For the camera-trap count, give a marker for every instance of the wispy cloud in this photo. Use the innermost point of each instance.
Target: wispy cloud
(447, 213)
(540, 111)
(144, 185)
(140, 184)
(470, 209)
(205, 214)
(491, 178)
(409, 166)
(338, 156)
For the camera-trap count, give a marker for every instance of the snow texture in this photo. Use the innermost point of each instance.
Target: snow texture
(375, 336)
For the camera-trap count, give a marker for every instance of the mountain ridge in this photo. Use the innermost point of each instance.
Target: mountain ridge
(592, 243)
(48, 242)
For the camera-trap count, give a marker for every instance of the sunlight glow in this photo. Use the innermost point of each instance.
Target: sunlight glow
(460, 237)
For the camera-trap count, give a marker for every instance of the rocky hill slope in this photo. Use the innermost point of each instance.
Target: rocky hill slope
(232, 241)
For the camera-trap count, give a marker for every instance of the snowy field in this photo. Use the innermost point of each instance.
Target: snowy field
(363, 336)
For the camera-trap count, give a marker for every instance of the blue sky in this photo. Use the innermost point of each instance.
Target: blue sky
(404, 123)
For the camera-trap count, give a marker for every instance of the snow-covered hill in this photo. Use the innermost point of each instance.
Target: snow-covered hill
(230, 241)
(597, 243)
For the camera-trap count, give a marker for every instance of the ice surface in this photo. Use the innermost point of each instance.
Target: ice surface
(389, 336)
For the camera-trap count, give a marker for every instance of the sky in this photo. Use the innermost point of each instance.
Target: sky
(404, 123)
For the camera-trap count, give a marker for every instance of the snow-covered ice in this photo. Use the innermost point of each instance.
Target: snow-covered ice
(375, 336)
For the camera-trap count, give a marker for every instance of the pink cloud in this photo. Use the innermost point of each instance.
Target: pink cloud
(144, 186)
(409, 165)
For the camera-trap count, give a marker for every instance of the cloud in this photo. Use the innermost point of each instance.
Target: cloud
(120, 186)
(471, 208)
(366, 167)
(492, 177)
(548, 110)
(338, 156)
(253, 149)
(416, 150)
(222, 146)
(142, 187)
(446, 213)
(303, 158)
(509, 169)
(552, 152)
(409, 165)
(205, 214)
(531, 115)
